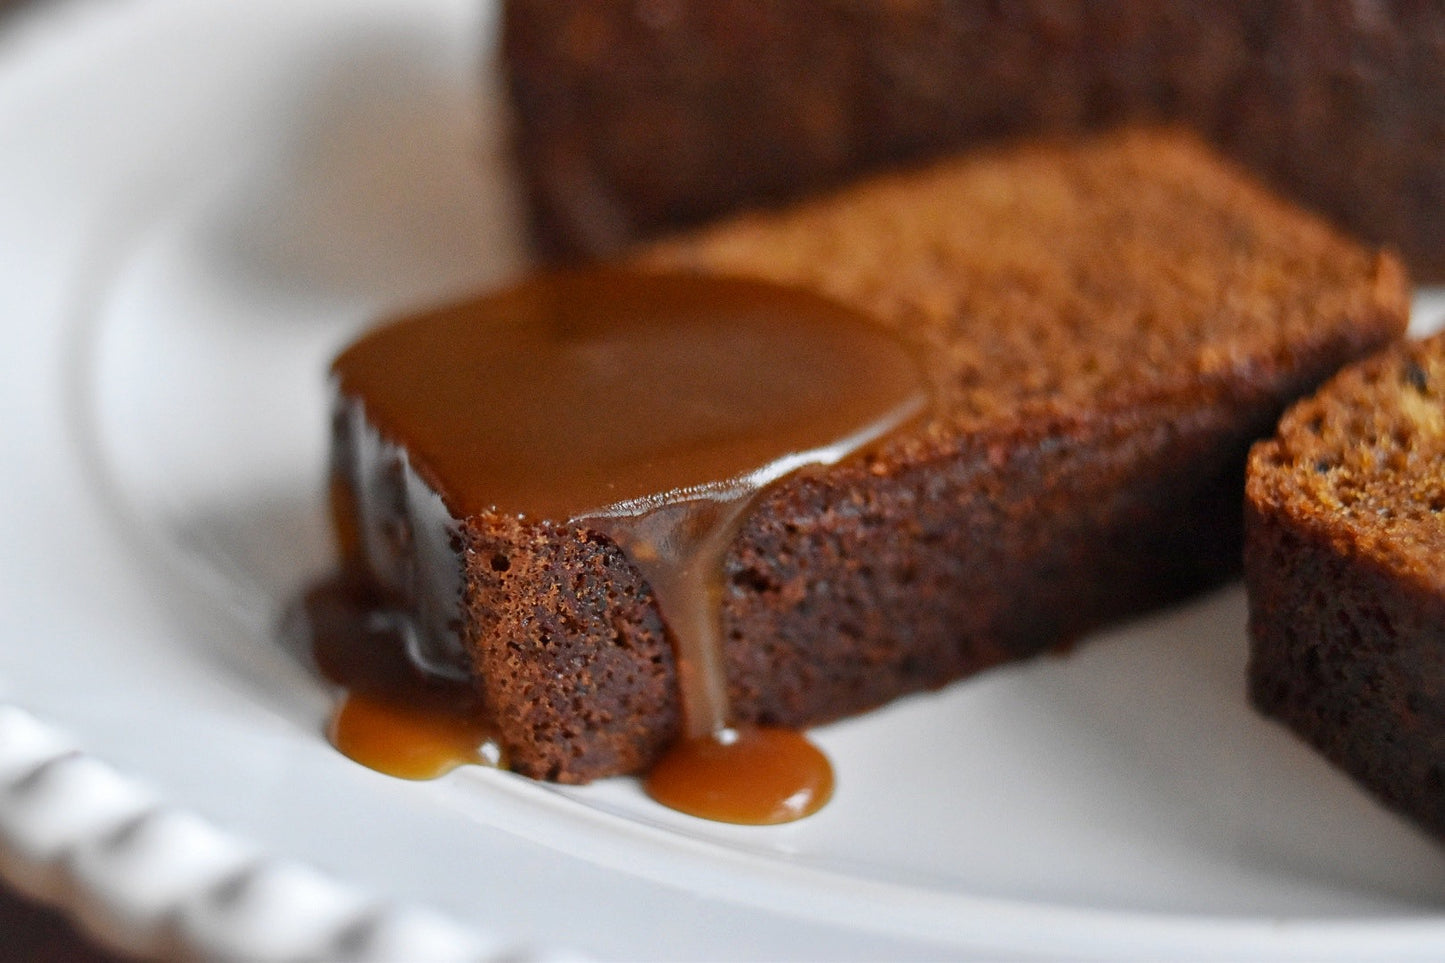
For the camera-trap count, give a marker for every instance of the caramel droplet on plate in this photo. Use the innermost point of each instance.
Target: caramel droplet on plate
(409, 742)
(756, 777)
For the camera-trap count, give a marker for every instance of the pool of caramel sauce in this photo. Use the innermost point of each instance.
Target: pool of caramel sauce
(651, 407)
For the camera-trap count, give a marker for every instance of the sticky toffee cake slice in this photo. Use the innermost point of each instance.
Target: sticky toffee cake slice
(1102, 329)
(1345, 563)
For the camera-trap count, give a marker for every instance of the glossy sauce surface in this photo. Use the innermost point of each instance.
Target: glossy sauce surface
(574, 393)
(655, 409)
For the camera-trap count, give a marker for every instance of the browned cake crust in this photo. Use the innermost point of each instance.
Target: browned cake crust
(635, 117)
(1110, 325)
(1345, 561)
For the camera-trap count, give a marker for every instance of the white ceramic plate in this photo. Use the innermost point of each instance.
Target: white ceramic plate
(199, 202)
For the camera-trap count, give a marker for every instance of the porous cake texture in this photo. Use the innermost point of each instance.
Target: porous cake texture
(1345, 563)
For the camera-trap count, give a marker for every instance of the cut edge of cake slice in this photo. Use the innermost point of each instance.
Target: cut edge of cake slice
(1345, 564)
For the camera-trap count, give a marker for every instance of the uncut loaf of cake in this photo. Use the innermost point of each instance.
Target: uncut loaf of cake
(1345, 563)
(1108, 325)
(635, 116)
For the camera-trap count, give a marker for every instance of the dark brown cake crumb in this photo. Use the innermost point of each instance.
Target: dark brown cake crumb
(1346, 537)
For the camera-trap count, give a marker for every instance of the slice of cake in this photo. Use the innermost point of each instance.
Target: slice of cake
(1345, 562)
(1103, 327)
(636, 117)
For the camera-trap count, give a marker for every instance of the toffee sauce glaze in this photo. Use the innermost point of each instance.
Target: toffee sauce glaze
(651, 408)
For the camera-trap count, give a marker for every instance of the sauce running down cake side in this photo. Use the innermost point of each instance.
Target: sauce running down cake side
(646, 412)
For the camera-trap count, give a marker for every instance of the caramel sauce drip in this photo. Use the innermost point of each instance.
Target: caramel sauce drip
(654, 409)
(407, 741)
(757, 777)
(392, 717)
